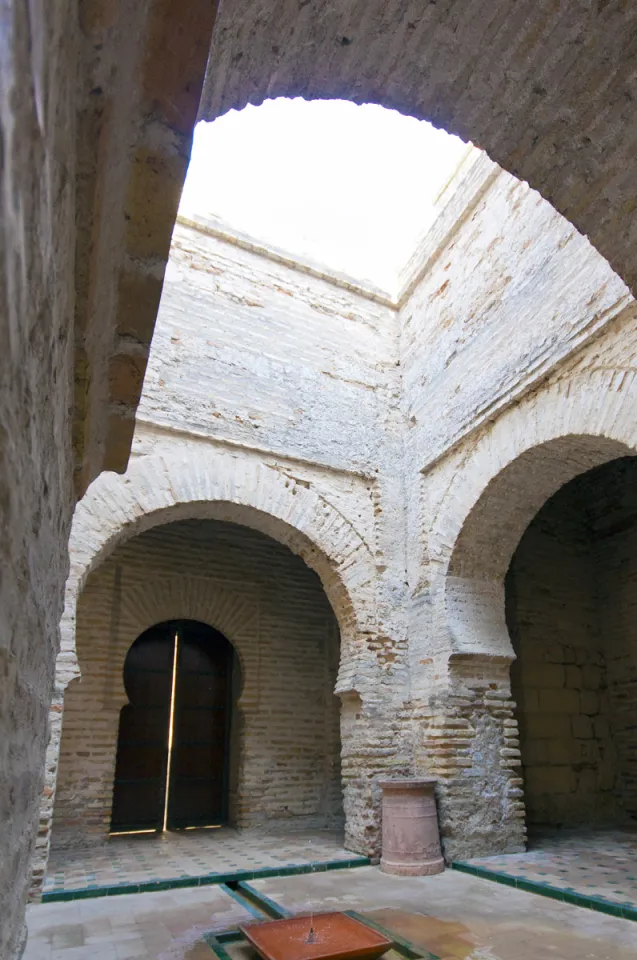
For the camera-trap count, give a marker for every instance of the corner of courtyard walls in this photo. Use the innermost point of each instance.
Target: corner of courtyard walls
(479, 500)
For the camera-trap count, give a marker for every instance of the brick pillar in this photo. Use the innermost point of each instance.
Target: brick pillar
(467, 738)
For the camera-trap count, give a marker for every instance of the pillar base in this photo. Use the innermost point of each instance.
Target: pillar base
(417, 869)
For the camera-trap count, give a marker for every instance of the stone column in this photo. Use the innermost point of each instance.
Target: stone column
(411, 843)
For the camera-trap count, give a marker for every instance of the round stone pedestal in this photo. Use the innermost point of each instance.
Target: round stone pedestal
(411, 842)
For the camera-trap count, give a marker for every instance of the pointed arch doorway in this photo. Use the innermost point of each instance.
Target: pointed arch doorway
(171, 770)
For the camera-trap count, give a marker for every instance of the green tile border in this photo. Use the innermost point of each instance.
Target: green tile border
(267, 906)
(150, 886)
(567, 895)
(244, 902)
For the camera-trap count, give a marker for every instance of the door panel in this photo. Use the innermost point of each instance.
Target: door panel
(201, 728)
(197, 779)
(142, 751)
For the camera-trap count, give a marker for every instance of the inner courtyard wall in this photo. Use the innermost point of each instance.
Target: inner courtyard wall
(273, 609)
(508, 289)
(336, 389)
(279, 361)
(261, 351)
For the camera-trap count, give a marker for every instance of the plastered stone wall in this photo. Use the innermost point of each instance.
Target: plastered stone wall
(37, 81)
(274, 611)
(509, 289)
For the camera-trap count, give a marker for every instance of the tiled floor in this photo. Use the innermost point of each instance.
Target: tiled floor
(163, 926)
(194, 853)
(600, 864)
(455, 916)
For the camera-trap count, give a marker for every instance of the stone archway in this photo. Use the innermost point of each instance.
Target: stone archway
(162, 489)
(519, 80)
(159, 490)
(531, 451)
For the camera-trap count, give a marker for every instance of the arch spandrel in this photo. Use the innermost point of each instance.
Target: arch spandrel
(529, 453)
(162, 489)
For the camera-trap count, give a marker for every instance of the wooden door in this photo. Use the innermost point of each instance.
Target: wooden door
(199, 763)
(142, 749)
(184, 776)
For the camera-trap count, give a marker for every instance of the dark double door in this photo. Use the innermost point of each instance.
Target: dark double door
(172, 753)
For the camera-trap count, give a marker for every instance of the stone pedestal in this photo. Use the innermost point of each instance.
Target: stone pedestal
(411, 842)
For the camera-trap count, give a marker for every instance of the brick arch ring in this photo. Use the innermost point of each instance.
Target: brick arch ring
(165, 488)
(530, 452)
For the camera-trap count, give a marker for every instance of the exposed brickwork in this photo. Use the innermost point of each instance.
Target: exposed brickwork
(274, 611)
(474, 507)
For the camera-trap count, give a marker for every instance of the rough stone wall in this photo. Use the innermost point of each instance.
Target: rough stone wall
(37, 81)
(559, 677)
(274, 611)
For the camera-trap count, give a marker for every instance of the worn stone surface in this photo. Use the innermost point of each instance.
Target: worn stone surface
(36, 503)
(141, 69)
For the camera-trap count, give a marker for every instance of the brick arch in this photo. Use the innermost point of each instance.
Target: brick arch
(225, 610)
(212, 485)
(548, 93)
(235, 615)
(530, 453)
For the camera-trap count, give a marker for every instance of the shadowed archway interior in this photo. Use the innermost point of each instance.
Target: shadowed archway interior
(571, 592)
(174, 733)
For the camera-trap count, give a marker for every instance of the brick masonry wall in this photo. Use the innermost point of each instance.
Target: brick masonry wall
(325, 402)
(471, 511)
(559, 679)
(273, 609)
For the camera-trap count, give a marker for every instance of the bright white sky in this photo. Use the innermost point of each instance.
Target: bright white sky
(350, 186)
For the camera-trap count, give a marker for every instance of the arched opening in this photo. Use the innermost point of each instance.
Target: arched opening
(181, 606)
(173, 746)
(571, 591)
